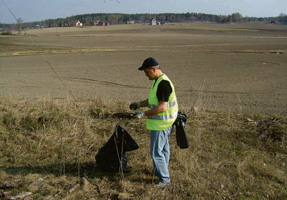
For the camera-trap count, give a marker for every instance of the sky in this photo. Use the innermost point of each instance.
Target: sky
(37, 10)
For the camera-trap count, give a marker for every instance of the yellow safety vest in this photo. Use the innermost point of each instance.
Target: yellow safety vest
(163, 120)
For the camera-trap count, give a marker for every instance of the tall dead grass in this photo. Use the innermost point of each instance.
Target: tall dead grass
(231, 156)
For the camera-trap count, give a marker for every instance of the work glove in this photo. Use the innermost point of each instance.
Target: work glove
(139, 115)
(135, 105)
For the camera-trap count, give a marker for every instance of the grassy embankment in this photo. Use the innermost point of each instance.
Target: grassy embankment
(230, 156)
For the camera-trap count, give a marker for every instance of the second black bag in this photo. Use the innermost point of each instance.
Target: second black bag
(181, 138)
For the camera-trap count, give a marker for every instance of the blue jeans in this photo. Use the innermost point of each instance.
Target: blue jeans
(160, 152)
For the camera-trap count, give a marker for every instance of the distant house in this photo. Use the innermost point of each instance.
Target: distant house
(131, 22)
(79, 24)
(102, 23)
(38, 26)
(153, 21)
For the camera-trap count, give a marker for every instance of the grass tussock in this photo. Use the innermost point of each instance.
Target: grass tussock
(48, 146)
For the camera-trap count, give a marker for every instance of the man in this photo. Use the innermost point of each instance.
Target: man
(161, 114)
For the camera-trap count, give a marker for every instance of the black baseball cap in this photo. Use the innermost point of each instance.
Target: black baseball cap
(149, 62)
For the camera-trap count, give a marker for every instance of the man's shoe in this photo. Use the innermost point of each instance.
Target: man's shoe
(161, 185)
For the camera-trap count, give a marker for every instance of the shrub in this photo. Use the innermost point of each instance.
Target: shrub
(7, 33)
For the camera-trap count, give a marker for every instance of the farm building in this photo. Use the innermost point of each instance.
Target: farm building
(102, 23)
(153, 21)
(79, 24)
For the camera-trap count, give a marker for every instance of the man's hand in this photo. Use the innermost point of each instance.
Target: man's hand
(135, 105)
(139, 115)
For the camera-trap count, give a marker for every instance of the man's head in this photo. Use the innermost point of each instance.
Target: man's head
(151, 68)
(149, 62)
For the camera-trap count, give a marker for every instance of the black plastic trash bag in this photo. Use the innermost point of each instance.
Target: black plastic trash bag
(181, 138)
(112, 156)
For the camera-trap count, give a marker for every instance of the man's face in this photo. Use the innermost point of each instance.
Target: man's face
(149, 72)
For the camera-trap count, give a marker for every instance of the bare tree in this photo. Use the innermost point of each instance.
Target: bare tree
(236, 17)
(283, 18)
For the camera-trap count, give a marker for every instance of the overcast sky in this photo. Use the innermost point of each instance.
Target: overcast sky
(37, 10)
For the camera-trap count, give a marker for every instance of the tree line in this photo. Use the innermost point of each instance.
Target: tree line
(118, 18)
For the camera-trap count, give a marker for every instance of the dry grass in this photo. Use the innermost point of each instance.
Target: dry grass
(230, 156)
(26, 52)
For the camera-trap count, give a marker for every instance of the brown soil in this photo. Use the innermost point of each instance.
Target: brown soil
(231, 67)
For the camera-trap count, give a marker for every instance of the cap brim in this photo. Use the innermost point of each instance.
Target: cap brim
(142, 68)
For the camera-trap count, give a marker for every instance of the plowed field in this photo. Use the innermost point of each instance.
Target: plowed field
(231, 67)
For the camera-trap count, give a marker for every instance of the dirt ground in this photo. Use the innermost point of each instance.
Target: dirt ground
(231, 67)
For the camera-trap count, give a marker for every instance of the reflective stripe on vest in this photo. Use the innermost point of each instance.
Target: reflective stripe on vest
(163, 117)
(169, 104)
(163, 120)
